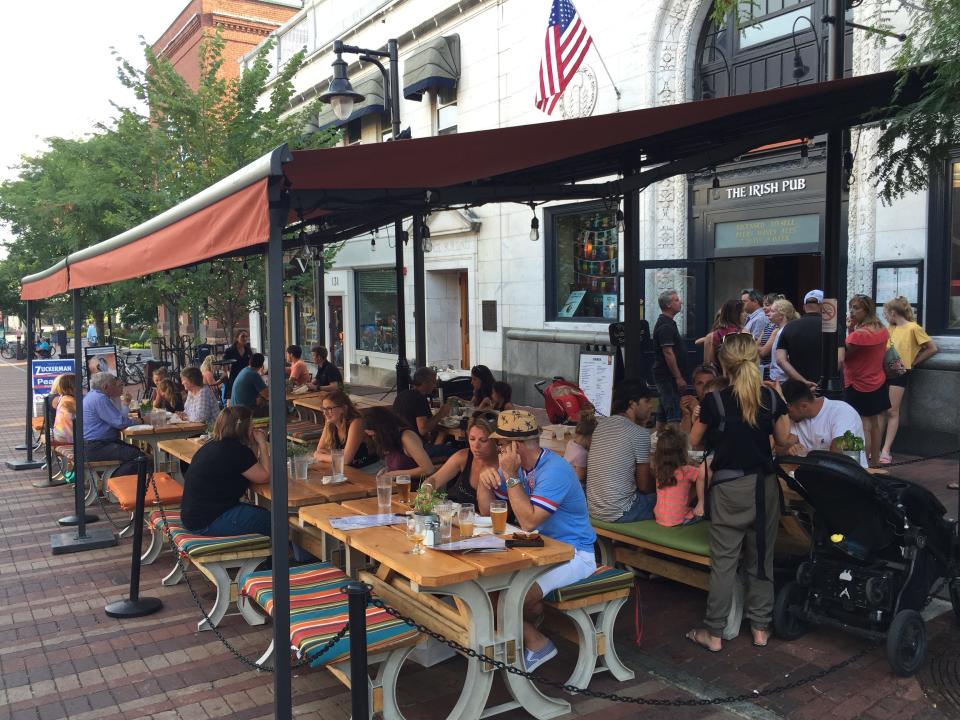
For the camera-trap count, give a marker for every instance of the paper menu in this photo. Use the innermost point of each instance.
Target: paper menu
(477, 542)
(358, 522)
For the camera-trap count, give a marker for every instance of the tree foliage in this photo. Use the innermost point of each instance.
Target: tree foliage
(135, 166)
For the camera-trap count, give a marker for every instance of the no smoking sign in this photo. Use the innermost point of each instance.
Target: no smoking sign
(828, 315)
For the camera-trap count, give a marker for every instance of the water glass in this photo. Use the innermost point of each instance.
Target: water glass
(336, 459)
(445, 512)
(301, 466)
(466, 520)
(384, 492)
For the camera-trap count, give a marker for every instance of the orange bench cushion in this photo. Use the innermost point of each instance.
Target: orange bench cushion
(124, 488)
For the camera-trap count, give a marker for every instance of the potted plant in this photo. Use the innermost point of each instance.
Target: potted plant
(850, 445)
(298, 458)
(427, 499)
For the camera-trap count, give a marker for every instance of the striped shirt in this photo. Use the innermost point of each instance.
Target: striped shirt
(618, 446)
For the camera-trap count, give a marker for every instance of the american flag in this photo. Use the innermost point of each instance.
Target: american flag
(564, 48)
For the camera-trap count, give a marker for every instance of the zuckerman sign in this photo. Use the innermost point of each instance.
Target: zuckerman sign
(44, 372)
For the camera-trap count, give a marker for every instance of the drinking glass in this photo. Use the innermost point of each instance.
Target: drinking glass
(445, 511)
(384, 492)
(498, 516)
(336, 459)
(403, 488)
(301, 466)
(466, 520)
(416, 531)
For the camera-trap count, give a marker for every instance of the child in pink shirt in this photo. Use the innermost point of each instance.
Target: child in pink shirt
(679, 484)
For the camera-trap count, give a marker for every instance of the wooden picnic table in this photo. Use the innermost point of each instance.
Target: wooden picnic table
(409, 582)
(155, 435)
(182, 449)
(312, 491)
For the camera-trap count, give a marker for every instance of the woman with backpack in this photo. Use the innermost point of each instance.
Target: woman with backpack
(743, 495)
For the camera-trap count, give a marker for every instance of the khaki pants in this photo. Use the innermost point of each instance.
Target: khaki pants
(733, 514)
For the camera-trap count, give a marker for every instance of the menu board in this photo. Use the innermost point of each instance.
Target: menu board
(596, 380)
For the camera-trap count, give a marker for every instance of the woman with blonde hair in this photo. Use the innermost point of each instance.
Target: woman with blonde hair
(781, 312)
(743, 496)
(343, 429)
(864, 377)
(461, 472)
(913, 346)
(206, 369)
(64, 387)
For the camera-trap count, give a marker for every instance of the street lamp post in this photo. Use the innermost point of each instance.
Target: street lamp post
(342, 97)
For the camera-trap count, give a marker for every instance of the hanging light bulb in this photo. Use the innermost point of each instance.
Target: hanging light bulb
(534, 227)
(716, 180)
(245, 265)
(804, 154)
(373, 243)
(620, 221)
(426, 242)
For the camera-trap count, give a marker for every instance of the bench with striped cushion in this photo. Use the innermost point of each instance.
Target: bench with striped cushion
(600, 594)
(318, 611)
(304, 430)
(214, 557)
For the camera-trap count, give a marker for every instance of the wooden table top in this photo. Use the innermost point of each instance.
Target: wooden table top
(312, 491)
(181, 448)
(313, 395)
(174, 429)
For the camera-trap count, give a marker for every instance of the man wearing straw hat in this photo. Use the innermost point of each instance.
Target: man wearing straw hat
(545, 495)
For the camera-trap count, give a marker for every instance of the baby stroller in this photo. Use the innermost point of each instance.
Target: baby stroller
(562, 400)
(879, 545)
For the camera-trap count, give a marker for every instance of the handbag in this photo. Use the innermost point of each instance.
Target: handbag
(893, 364)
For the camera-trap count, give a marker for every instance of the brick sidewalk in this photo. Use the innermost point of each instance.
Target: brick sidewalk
(60, 656)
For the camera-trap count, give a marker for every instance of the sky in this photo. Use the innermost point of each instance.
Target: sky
(59, 73)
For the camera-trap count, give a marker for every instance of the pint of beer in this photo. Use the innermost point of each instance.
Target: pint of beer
(402, 488)
(498, 516)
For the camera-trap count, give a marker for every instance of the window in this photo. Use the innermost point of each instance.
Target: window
(386, 127)
(583, 248)
(353, 131)
(943, 249)
(306, 318)
(446, 111)
(377, 310)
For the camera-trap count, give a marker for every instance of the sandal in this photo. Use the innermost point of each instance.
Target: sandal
(953, 486)
(885, 459)
(763, 634)
(701, 638)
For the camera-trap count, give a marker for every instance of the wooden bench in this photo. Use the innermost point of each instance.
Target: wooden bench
(303, 432)
(215, 558)
(318, 611)
(602, 594)
(96, 473)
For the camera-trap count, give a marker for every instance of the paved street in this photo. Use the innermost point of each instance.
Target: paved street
(60, 656)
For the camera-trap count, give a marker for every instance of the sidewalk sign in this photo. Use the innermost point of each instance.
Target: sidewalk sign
(596, 380)
(101, 358)
(42, 375)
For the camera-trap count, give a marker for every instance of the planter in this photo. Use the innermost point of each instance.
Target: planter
(854, 454)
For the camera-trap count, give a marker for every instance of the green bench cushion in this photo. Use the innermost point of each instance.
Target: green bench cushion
(304, 430)
(693, 538)
(604, 579)
(197, 546)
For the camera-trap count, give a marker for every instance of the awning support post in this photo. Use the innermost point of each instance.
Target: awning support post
(28, 444)
(403, 367)
(419, 296)
(632, 282)
(319, 299)
(282, 700)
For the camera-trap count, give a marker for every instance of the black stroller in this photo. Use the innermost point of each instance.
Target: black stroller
(879, 546)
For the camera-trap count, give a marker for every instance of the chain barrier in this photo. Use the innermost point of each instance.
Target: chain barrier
(196, 599)
(586, 692)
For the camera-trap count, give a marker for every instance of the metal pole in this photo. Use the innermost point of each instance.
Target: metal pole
(78, 450)
(419, 299)
(357, 597)
(319, 299)
(830, 383)
(29, 431)
(394, 88)
(403, 367)
(632, 283)
(282, 701)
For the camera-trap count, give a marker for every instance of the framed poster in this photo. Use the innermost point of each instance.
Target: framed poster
(596, 380)
(101, 358)
(894, 278)
(572, 304)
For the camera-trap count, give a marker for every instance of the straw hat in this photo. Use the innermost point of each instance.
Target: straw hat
(516, 425)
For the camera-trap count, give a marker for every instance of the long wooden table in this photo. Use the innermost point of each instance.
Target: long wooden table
(468, 577)
(155, 436)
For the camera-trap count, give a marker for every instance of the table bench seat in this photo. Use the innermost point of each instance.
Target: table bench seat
(318, 611)
(215, 558)
(96, 472)
(304, 431)
(592, 604)
(124, 489)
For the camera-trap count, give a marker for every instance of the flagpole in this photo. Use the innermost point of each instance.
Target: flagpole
(612, 82)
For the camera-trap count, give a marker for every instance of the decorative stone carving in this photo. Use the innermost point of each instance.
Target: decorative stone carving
(580, 98)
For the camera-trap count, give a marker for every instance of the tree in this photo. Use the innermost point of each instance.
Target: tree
(917, 140)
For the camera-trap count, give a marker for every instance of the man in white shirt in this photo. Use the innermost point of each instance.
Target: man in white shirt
(819, 423)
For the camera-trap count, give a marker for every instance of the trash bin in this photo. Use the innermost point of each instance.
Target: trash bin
(60, 339)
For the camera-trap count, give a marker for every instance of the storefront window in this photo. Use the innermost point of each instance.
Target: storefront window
(585, 248)
(377, 310)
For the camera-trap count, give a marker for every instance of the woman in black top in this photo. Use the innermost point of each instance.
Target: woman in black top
(461, 471)
(743, 495)
(482, 381)
(219, 475)
(240, 352)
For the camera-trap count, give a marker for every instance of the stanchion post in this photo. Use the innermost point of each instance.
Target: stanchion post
(134, 605)
(28, 444)
(357, 597)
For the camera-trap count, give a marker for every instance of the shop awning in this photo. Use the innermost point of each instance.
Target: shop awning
(344, 191)
(372, 89)
(435, 65)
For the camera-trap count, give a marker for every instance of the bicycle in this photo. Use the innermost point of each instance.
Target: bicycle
(130, 368)
(8, 351)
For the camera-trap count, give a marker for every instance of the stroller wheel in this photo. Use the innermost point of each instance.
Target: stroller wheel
(955, 597)
(786, 624)
(906, 643)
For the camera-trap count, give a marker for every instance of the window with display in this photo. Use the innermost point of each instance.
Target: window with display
(377, 310)
(583, 250)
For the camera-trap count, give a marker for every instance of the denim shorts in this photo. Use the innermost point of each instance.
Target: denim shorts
(641, 509)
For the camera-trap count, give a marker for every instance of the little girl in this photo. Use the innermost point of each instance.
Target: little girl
(675, 480)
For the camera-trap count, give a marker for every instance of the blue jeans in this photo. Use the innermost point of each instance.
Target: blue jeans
(642, 508)
(668, 410)
(239, 520)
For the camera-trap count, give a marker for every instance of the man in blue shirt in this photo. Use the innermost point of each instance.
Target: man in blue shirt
(249, 389)
(545, 496)
(102, 423)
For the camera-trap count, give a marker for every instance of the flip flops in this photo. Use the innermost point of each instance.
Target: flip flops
(699, 638)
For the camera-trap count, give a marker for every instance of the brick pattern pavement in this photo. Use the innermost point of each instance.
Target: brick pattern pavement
(60, 656)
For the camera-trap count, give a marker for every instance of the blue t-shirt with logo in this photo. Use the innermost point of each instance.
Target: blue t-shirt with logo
(553, 486)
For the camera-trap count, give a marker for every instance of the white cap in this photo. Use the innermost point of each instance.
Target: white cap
(814, 296)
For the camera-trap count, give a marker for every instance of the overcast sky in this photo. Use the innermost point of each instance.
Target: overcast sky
(58, 72)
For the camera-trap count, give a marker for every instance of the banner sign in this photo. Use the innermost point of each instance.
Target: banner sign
(44, 372)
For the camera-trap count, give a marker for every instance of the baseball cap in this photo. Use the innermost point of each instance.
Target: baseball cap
(515, 425)
(814, 296)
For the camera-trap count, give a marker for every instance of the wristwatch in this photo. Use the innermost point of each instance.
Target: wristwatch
(513, 482)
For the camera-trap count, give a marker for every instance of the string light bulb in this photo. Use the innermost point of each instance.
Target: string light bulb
(373, 243)
(620, 221)
(716, 180)
(534, 228)
(804, 154)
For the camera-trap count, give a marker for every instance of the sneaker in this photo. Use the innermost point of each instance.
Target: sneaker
(532, 659)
